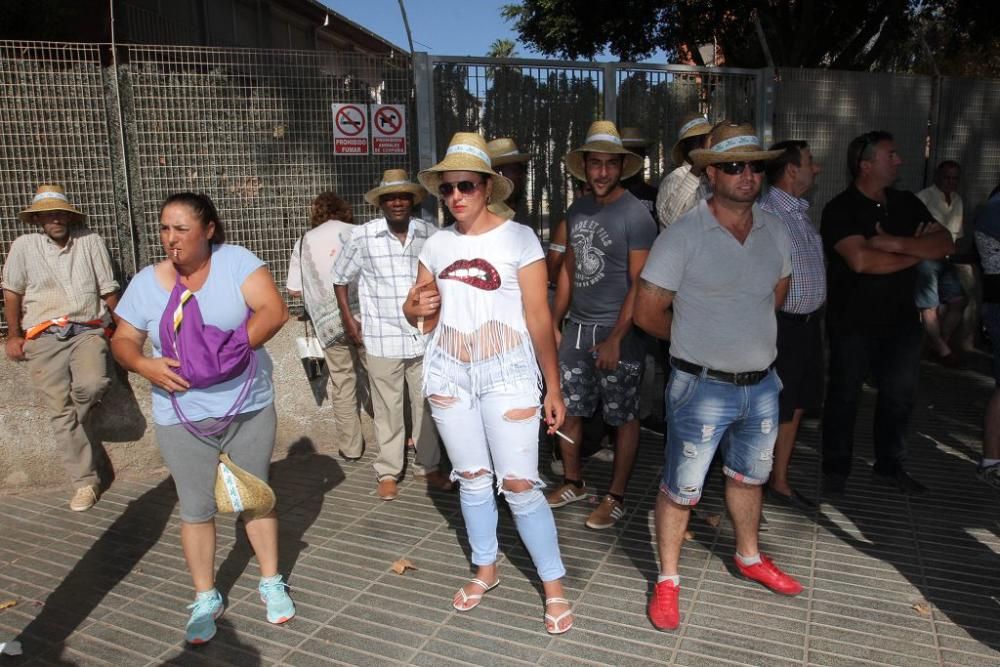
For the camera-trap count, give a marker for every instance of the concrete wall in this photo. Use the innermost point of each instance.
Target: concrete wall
(123, 421)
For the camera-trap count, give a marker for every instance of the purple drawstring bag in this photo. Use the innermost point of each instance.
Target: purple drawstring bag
(208, 355)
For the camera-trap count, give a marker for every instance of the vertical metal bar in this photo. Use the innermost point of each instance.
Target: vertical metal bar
(611, 92)
(423, 81)
(768, 80)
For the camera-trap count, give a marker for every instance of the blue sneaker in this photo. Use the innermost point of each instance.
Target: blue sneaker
(205, 609)
(274, 593)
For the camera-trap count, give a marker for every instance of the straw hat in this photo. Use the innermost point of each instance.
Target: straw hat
(236, 490)
(466, 152)
(395, 180)
(632, 137)
(504, 151)
(501, 209)
(729, 142)
(602, 137)
(694, 125)
(49, 197)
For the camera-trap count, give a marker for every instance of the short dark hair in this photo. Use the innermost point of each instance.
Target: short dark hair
(328, 206)
(792, 154)
(947, 164)
(862, 148)
(203, 208)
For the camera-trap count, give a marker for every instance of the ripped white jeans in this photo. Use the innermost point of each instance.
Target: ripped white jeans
(492, 437)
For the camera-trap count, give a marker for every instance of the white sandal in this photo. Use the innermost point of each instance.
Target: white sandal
(555, 620)
(475, 597)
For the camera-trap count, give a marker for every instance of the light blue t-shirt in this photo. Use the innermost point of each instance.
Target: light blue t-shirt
(222, 305)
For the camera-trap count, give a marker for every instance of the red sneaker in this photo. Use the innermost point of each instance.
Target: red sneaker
(767, 573)
(662, 609)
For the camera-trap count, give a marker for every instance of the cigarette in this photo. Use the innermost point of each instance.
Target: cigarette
(565, 437)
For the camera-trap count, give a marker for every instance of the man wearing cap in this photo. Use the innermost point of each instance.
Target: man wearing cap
(681, 189)
(381, 256)
(508, 160)
(800, 338)
(59, 293)
(601, 353)
(723, 267)
(634, 140)
(874, 237)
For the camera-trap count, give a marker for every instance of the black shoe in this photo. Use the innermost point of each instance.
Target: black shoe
(350, 459)
(902, 481)
(794, 499)
(834, 485)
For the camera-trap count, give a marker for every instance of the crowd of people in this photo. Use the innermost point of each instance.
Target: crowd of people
(474, 338)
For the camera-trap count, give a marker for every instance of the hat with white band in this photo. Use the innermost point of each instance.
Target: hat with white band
(395, 180)
(693, 125)
(504, 151)
(466, 152)
(731, 142)
(49, 197)
(602, 137)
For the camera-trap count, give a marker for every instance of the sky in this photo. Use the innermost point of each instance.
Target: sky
(439, 27)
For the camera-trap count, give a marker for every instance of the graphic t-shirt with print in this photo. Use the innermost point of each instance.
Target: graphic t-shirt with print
(602, 237)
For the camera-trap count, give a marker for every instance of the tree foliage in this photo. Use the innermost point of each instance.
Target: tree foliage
(841, 34)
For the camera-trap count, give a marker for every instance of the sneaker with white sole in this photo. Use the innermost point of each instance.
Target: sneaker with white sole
(206, 608)
(84, 498)
(566, 494)
(605, 454)
(606, 515)
(274, 593)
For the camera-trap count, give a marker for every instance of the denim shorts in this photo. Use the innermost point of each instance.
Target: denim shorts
(704, 413)
(584, 385)
(937, 283)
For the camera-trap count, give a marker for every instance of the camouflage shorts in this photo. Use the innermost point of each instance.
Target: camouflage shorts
(583, 384)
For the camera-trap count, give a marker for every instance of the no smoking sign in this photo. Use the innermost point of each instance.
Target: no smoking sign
(350, 129)
(388, 129)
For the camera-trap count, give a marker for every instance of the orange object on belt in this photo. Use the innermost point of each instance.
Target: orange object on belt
(39, 329)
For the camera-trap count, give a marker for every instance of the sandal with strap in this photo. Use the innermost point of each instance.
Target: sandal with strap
(475, 598)
(555, 620)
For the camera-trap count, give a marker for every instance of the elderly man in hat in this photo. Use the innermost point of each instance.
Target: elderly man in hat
(59, 292)
(723, 268)
(601, 354)
(681, 189)
(508, 160)
(634, 140)
(381, 256)
(874, 237)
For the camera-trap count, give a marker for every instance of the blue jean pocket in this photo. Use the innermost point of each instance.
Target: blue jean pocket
(680, 390)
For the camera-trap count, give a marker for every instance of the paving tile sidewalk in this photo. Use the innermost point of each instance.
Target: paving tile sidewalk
(889, 580)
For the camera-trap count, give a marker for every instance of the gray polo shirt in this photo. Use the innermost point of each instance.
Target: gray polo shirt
(724, 291)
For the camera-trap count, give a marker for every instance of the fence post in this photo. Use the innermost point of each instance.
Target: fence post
(423, 83)
(114, 76)
(611, 92)
(768, 79)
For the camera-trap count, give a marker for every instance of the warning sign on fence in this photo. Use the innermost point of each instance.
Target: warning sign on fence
(350, 129)
(388, 129)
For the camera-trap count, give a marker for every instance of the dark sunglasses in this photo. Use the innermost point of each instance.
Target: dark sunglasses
(465, 187)
(735, 168)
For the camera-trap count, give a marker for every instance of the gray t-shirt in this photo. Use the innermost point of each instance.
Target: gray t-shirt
(724, 291)
(602, 237)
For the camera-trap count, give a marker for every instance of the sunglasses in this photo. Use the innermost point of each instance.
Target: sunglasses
(465, 187)
(735, 168)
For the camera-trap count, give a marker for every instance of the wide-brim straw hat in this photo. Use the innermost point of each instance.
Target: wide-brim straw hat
(236, 490)
(602, 137)
(466, 152)
(731, 142)
(632, 137)
(694, 125)
(395, 180)
(500, 208)
(504, 151)
(49, 197)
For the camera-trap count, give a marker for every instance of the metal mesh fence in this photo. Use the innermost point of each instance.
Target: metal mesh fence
(829, 108)
(969, 132)
(546, 108)
(657, 98)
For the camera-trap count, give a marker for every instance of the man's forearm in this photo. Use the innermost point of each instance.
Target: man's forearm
(12, 311)
(341, 291)
(935, 245)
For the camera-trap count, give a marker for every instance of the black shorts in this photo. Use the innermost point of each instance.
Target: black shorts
(799, 365)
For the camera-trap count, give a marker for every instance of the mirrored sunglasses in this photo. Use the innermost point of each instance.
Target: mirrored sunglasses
(465, 187)
(734, 168)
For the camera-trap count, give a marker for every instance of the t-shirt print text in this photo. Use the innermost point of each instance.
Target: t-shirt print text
(589, 239)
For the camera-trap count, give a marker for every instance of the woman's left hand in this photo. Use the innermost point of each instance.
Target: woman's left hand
(554, 410)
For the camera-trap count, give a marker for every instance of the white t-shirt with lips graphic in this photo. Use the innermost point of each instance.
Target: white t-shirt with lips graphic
(482, 315)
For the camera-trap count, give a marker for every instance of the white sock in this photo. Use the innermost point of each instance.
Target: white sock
(986, 463)
(748, 560)
(675, 578)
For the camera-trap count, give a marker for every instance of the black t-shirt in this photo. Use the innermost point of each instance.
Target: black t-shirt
(861, 302)
(645, 193)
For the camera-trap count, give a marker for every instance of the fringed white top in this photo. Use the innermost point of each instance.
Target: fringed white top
(482, 316)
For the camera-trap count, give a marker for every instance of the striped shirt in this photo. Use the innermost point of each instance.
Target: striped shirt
(807, 290)
(56, 281)
(679, 191)
(385, 270)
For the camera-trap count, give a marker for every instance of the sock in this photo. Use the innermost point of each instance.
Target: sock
(575, 482)
(270, 580)
(620, 499)
(748, 560)
(986, 463)
(675, 578)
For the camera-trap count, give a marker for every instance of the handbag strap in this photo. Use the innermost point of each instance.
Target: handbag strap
(224, 421)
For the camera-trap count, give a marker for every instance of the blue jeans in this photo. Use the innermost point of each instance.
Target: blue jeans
(704, 414)
(894, 359)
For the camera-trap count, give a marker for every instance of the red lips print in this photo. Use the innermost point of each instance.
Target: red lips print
(475, 272)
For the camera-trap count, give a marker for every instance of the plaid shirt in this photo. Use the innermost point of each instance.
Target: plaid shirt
(385, 270)
(807, 290)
